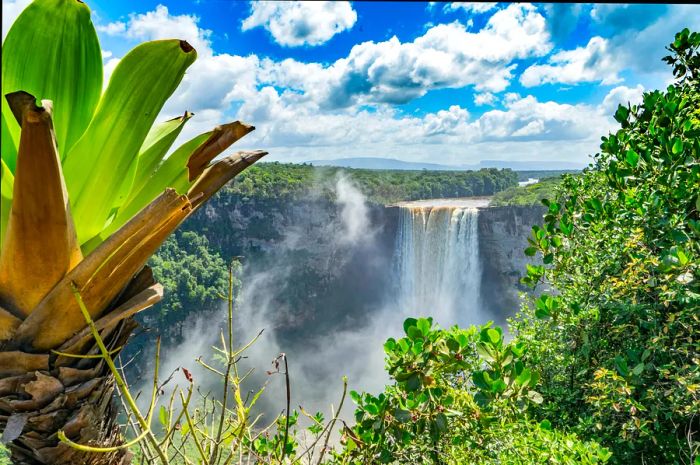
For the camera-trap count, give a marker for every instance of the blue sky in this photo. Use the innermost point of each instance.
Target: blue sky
(451, 83)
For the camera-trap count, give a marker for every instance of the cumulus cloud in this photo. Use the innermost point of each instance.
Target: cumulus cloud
(621, 95)
(445, 121)
(160, 24)
(446, 56)
(641, 49)
(306, 110)
(597, 61)
(630, 37)
(471, 7)
(485, 98)
(292, 24)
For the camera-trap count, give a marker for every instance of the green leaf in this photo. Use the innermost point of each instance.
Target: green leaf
(52, 52)
(441, 422)
(413, 383)
(6, 187)
(372, 409)
(677, 146)
(163, 416)
(498, 386)
(171, 173)
(524, 378)
(546, 425)
(402, 416)
(408, 323)
(621, 114)
(9, 146)
(530, 251)
(414, 333)
(480, 380)
(96, 166)
(494, 336)
(621, 366)
(637, 370)
(632, 158)
(424, 325)
(485, 352)
(158, 141)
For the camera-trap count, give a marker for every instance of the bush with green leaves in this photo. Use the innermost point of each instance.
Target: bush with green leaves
(460, 396)
(618, 343)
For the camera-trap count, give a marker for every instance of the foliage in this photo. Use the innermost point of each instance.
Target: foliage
(290, 181)
(192, 273)
(618, 343)
(531, 194)
(460, 396)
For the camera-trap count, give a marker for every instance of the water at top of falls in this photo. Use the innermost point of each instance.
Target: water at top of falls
(458, 202)
(438, 265)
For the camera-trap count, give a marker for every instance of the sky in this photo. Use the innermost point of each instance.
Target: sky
(449, 83)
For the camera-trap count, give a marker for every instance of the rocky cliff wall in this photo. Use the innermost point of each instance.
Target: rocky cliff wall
(503, 233)
(313, 279)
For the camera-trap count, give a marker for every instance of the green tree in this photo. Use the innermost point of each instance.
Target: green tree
(618, 343)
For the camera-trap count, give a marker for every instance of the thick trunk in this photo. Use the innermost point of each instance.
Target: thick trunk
(41, 394)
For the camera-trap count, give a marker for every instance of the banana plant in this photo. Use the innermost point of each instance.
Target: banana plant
(90, 187)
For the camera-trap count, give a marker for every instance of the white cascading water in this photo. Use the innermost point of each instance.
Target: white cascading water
(437, 256)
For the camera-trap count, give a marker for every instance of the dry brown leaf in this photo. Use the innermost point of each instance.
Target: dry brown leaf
(40, 245)
(220, 139)
(221, 172)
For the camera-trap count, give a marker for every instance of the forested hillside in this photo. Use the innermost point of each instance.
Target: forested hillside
(286, 180)
(531, 194)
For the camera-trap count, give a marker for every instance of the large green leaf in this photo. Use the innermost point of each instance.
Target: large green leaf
(6, 185)
(52, 52)
(171, 173)
(155, 147)
(96, 167)
(179, 171)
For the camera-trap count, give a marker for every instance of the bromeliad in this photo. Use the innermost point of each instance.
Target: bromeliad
(90, 189)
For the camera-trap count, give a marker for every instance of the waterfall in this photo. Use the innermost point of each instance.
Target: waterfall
(437, 257)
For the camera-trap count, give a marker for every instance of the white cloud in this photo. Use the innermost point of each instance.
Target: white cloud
(10, 11)
(293, 24)
(109, 67)
(446, 56)
(597, 61)
(160, 24)
(621, 95)
(312, 111)
(471, 7)
(112, 29)
(485, 98)
(445, 121)
(636, 37)
(309, 111)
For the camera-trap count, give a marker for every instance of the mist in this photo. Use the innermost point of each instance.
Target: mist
(340, 340)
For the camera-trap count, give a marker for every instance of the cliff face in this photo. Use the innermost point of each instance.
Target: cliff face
(308, 276)
(503, 233)
(307, 266)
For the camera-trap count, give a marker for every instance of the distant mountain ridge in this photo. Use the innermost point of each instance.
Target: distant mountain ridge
(374, 163)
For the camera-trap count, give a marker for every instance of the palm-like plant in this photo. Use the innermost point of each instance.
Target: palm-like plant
(88, 194)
